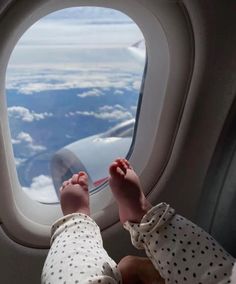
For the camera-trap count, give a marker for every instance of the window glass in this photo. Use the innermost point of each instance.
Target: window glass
(73, 83)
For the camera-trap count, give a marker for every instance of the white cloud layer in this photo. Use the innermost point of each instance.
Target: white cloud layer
(91, 93)
(42, 189)
(111, 113)
(24, 137)
(119, 92)
(25, 114)
(57, 77)
(137, 85)
(19, 161)
(133, 110)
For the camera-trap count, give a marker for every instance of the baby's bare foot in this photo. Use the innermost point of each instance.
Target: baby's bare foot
(127, 191)
(74, 195)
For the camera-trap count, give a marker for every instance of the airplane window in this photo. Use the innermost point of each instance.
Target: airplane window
(73, 84)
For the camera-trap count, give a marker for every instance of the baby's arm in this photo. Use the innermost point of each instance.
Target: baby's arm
(77, 254)
(181, 251)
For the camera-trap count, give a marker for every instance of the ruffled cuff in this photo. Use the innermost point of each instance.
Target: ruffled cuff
(154, 220)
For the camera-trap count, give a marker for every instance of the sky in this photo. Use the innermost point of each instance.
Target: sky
(56, 38)
(73, 48)
(50, 53)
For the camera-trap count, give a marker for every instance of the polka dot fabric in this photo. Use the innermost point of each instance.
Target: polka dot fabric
(181, 251)
(77, 254)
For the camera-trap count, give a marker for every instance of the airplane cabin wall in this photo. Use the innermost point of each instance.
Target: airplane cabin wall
(210, 96)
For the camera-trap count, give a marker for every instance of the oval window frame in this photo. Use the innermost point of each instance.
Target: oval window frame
(169, 42)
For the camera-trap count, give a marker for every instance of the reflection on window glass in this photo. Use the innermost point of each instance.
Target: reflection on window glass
(73, 83)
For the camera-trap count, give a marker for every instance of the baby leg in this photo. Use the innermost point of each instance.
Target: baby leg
(180, 250)
(77, 254)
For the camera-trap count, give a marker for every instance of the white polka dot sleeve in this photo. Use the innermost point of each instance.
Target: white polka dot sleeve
(181, 251)
(77, 254)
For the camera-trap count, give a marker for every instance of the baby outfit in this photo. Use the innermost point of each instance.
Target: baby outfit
(181, 251)
(77, 254)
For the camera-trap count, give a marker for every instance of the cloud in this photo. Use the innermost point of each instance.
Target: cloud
(31, 88)
(15, 141)
(26, 115)
(137, 85)
(19, 161)
(24, 137)
(91, 93)
(37, 148)
(118, 92)
(133, 110)
(57, 77)
(110, 113)
(42, 189)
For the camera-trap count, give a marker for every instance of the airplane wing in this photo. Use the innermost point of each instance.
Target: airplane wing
(138, 50)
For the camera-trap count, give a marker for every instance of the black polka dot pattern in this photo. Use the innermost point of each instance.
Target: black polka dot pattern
(181, 251)
(77, 254)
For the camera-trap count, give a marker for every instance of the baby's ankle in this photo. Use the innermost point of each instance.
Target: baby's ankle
(136, 214)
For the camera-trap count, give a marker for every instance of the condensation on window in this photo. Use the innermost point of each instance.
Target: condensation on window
(73, 84)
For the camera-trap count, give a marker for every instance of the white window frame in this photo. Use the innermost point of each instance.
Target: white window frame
(168, 37)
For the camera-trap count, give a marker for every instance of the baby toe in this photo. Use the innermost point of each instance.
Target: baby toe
(82, 179)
